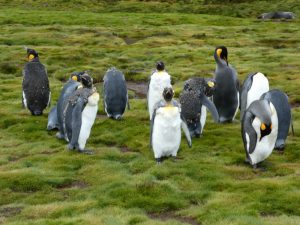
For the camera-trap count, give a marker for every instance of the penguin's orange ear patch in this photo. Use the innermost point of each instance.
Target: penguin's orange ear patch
(30, 57)
(263, 126)
(219, 51)
(74, 78)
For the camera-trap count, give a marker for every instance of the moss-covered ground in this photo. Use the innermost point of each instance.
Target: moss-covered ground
(41, 182)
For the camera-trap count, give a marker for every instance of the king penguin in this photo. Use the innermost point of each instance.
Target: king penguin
(166, 124)
(281, 103)
(69, 88)
(80, 114)
(36, 90)
(194, 101)
(259, 131)
(253, 87)
(226, 95)
(115, 93)
(159, 80)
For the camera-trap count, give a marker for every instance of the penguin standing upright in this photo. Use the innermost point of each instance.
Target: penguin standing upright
(283, 109)
(253, 87)
(194, 101)
(69, 88)
(159, 80)
(36, 91)
(166, 123)
(115, 93)
(79, 115)
(226, 95)
(259, 131)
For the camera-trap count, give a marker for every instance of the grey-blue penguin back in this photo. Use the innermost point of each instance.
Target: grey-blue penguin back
(115, 92)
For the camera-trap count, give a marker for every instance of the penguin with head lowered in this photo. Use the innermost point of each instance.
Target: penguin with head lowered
(253, 87)
(36, 90)
(115, 93)
(283, 109)
(259, 131)
(69, 88)
(226, 95)
(79, 115)
(159, 80)
(194, 101)
(166, 124)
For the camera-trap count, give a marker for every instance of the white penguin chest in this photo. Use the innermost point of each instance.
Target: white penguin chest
(260, 85)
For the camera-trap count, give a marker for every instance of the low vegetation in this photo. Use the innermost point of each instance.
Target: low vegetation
(41, 182)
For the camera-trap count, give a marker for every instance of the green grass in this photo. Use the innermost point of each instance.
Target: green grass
(42, 183)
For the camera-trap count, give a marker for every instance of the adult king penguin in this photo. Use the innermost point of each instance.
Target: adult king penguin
(283, 109)
(166, 124)
(226, 95)
(80, 114)
(159, 80)
(115, 93)
(194, 101)
(259, 131)
(69, 88)
(36, 91)
(255, 85)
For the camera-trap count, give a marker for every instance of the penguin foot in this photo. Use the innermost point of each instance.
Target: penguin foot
(254, 166)
(88, 152)
(280, 148)
(60, 135)
(158, 160)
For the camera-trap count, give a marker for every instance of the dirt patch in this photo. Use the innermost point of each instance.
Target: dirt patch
(295, 104)
(10, 211)
(47, 152)
(139, 88)
(101, 116)
(14, 158)
(267, 214)
(172, 216)
(75, 184)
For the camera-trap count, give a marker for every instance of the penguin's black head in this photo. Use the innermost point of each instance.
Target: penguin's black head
(31, 54)
(222, 53)
(265, 129)
(160, 66)
(76, 76)
(168, 94)
(87, 80)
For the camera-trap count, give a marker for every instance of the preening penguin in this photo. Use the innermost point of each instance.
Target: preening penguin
(283, 109)
(255, 85)
(115, 93)
(159, 80)
(69, 88)
(259, 131)
(36, 91)
(166, 124)
(79, 116)
(226, 95)
(194, 102)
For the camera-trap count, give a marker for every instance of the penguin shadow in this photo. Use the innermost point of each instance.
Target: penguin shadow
(169, 158)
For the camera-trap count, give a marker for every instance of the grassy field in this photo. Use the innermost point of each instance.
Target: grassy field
(43, 183)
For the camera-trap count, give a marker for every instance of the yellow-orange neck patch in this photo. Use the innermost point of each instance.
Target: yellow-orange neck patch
(219, 51)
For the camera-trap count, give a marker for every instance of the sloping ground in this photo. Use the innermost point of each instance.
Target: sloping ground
(42, 183)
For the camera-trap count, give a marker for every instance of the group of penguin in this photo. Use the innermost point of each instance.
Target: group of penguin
(265, 114)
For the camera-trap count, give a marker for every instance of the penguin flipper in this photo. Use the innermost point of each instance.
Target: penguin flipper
(248, 128)
(211, 107)
(186, 131)
(244, 93)
(156, 107)
(76, 121)
(148, 93)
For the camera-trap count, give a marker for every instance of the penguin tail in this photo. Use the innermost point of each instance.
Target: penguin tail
(117, 117)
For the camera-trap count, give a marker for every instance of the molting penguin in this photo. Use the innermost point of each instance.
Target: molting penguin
(79, 116)
(226, 95)
(166, 123)
(52, 119)
(115, 93)
(253, 87)
(283, 109)
(259, 131)
(194, 102)
(277, 15)
(159, 80)
(69, 88)
(36, 91)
